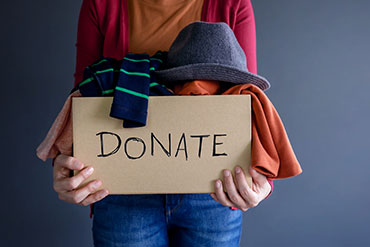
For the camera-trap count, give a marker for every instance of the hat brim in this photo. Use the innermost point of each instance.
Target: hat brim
(211, 71)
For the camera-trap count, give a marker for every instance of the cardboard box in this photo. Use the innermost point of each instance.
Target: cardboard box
(187, 143)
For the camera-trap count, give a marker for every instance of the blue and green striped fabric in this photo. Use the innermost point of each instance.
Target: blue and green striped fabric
(131, 81)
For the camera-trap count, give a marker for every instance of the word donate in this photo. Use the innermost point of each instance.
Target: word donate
(187, 143)
(182, 145)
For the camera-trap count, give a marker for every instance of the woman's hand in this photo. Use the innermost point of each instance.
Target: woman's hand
(239, 194)
(66, 186)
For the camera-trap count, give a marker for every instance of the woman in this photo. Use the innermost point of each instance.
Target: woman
(111, 28)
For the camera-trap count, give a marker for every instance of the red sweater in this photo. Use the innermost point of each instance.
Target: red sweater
(103, 30)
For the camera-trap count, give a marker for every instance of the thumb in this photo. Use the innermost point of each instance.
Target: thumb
(258, 178)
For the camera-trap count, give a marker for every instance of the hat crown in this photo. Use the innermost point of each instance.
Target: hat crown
(206, 43)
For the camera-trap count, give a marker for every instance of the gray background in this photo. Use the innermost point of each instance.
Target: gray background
(315, 54)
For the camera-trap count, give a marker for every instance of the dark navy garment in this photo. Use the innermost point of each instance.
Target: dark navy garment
(131, 81)
(135, 83)
(99, 78)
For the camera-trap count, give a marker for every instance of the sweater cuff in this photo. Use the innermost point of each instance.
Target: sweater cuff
(272, 188)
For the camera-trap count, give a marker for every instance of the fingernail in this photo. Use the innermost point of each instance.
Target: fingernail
(218, 184)
(237, 170)
(97, 184)
(89, 171)
(227, 173)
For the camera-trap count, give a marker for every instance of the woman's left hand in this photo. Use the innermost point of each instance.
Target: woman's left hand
(238, 194)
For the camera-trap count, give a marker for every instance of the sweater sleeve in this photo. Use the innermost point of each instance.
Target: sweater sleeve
(89, 45)
(245, 32)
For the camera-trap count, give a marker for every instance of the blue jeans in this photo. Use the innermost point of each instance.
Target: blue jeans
(165, 220)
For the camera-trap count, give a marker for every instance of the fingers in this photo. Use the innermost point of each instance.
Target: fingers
(97, 196)
(71, 183)
(78, 196)
(68, 162)
(221, 196)
(260, 181)
(238, 194)
(249, 196)
(232, 191)
(66, 186)
(63, 164)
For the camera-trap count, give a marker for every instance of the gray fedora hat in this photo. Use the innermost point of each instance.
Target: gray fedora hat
(208, 51)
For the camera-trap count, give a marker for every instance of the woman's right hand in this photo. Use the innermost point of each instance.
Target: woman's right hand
(66, 186)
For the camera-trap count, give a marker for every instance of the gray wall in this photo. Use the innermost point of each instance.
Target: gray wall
(315, 54)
